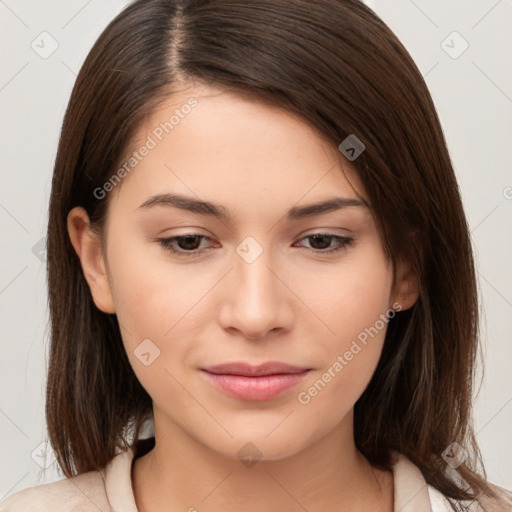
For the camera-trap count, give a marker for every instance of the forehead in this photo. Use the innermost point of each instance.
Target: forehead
(214, 143)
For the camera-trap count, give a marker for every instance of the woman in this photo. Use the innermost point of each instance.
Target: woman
(248, 249)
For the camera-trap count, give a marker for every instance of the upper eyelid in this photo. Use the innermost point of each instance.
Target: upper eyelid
(306, 234)
(311, 231)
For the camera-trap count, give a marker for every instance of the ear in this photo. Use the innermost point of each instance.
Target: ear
(88, 248)
(406, 290)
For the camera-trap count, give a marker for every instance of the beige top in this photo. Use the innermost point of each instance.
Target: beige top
(110, 490)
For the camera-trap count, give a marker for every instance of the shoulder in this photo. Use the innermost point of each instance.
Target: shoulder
(412, 493)
(82, 493)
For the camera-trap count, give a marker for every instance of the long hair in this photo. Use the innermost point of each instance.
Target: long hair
(335, 64)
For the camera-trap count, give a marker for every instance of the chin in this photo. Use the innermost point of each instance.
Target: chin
(260, 448)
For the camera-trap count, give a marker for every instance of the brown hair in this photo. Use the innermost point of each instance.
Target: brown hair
(335, 64)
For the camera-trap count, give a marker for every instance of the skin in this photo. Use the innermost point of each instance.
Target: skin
(291, 304)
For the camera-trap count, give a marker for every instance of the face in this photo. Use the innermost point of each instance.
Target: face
(260, 282)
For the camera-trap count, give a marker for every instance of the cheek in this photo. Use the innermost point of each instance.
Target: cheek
(149, 291)
(347, 367)
(349, 297)
(160, 304)
(153, 311)
(148, 299)
(355, 306)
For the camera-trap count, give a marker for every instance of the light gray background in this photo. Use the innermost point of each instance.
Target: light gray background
(473, 94)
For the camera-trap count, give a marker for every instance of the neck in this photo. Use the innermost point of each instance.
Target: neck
(181, 474)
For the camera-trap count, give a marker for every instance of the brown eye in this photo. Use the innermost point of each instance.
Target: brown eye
(184, 245)
(321, 243)
(188, 242)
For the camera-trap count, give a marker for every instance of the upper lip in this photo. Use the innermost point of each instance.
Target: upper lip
(248, 370)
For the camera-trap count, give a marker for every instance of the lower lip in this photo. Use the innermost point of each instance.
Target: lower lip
(255, 388)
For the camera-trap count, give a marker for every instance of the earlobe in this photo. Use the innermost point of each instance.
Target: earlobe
(87, 245)
(406, 290)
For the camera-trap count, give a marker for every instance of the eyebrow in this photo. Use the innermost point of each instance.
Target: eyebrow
(220, 212)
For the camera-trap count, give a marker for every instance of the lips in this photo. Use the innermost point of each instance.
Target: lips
(247, 370)
(258, 383)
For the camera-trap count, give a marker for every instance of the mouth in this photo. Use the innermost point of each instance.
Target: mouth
(254, 383)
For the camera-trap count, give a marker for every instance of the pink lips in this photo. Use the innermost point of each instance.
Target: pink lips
(258, 383)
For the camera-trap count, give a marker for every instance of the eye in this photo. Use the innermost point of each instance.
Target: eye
(324, 240)
(188, 245)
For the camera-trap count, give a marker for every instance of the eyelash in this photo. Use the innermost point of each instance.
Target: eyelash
(344, 241)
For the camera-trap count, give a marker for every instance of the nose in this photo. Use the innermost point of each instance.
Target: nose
(255, 298)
